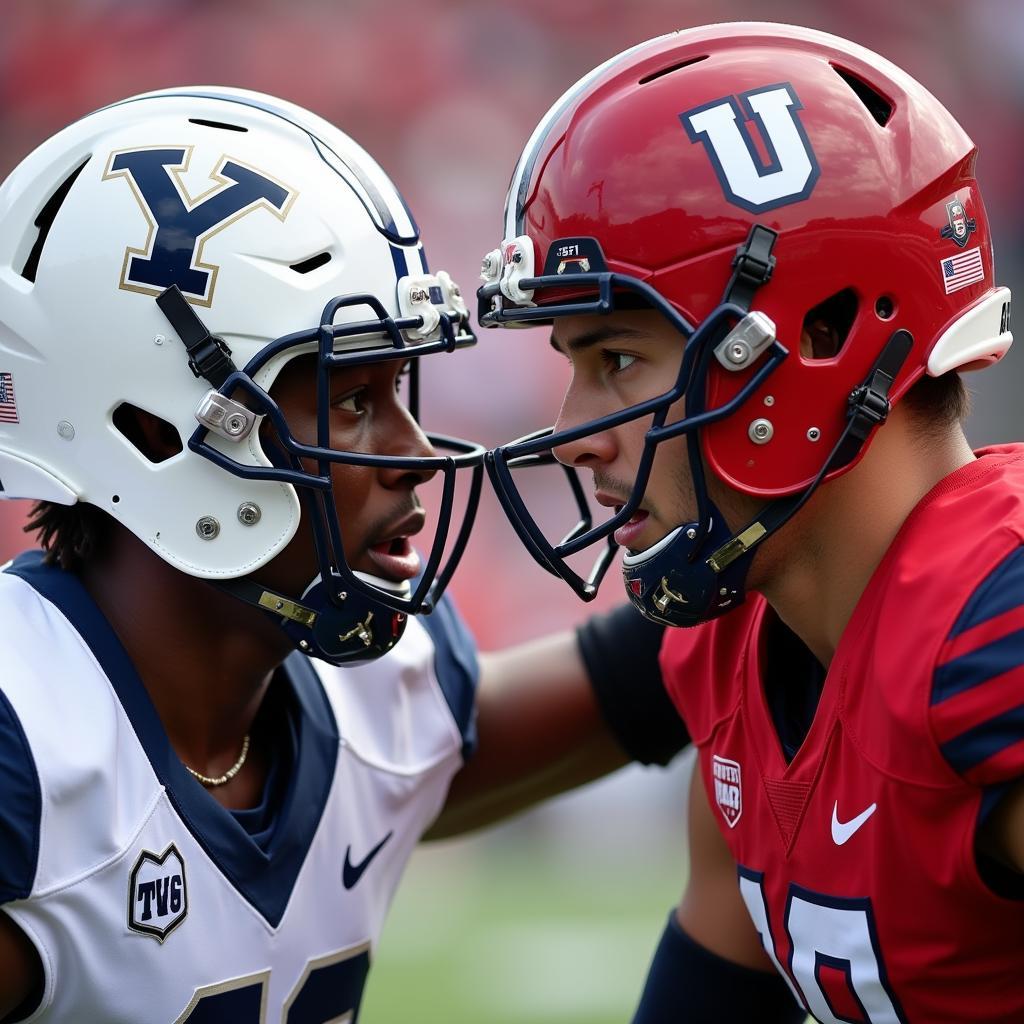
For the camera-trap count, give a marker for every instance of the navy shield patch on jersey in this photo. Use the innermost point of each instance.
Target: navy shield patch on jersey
(179, 225)
(748, 180)
(157, 893)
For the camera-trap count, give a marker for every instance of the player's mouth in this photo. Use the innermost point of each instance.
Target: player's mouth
(392, 553)
(627, 534)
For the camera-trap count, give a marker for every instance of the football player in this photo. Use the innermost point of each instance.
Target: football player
(764, 252)
(212, 309)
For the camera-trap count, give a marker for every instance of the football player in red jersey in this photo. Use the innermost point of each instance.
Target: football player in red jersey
(764, 252)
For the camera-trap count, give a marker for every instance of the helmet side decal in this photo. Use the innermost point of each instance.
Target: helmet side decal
(8, 403)
(179, 226)
(960, 226)
(962, 270)
(792, 170)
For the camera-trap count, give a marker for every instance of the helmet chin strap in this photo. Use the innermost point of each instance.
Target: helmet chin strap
(674, 583)
(327, 622)
(338, 626)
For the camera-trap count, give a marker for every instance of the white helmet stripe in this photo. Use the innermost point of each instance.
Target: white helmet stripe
(518, 189)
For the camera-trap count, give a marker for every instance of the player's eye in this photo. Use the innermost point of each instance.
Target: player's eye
(351, 402)
(616, 362)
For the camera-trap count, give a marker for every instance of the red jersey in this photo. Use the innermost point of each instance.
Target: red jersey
(856, 859)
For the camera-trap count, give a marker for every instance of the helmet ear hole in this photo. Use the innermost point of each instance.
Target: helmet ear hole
(827, 326)
(154, 438)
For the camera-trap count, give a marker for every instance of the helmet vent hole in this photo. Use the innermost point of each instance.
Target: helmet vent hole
(884, 307)
(47, 215)
(312, 263)
(672, 67)
(152, 437)
(223, 125)
(827, 326)
(877, 105)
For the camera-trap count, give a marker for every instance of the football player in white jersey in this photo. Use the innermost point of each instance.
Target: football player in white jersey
(208, 301)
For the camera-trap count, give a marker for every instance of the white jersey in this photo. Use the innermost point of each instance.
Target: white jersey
(148, 902)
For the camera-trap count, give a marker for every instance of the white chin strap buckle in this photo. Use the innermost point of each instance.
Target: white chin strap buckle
(507, 266)
(427, 297)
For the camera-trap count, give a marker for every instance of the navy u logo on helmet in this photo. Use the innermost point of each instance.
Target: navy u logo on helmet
(791, 170)
(179, 226)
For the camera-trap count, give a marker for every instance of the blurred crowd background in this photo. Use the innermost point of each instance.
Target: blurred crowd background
(444, 93)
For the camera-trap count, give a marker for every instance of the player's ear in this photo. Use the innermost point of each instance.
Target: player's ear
(154, 437)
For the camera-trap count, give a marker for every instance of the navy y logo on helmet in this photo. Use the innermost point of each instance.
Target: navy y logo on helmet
(180, 226)
(791, 171)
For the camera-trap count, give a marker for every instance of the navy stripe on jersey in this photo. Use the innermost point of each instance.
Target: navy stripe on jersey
(977, 697)
(264, 874)
(977, 667)
(1000, 591)
(975, 745)
(21, 805)
(456, 667)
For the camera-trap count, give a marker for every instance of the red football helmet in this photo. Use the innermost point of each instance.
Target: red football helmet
(833, 171)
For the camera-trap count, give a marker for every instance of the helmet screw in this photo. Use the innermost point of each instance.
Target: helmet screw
(303, 645)
(760, 431)
(738, 352)
(159, 339)
(249, 514)
(418, 295)
(234, 424)
(207, 527)
(490, 266)
(342, 595)
(769, 399)
(724, 592)
(691, 533)
(814, 434)
(65, 430)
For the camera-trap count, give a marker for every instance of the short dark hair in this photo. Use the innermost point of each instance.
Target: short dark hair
(939, 401)
(69, 534)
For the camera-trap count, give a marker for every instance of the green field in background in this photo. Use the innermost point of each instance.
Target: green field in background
(487, 933)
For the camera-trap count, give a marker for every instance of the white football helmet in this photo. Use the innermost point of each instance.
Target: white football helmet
(177, 249)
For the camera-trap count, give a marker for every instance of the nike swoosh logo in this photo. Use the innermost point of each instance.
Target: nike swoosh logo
(843, 830)
(351, 873)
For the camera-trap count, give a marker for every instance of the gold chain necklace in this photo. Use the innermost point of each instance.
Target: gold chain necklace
(207, 780)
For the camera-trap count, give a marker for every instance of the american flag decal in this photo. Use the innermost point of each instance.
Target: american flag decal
(8, 405)
(960, 271)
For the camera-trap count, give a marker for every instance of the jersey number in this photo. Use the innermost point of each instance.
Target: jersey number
(835, 966)
(329, 992)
